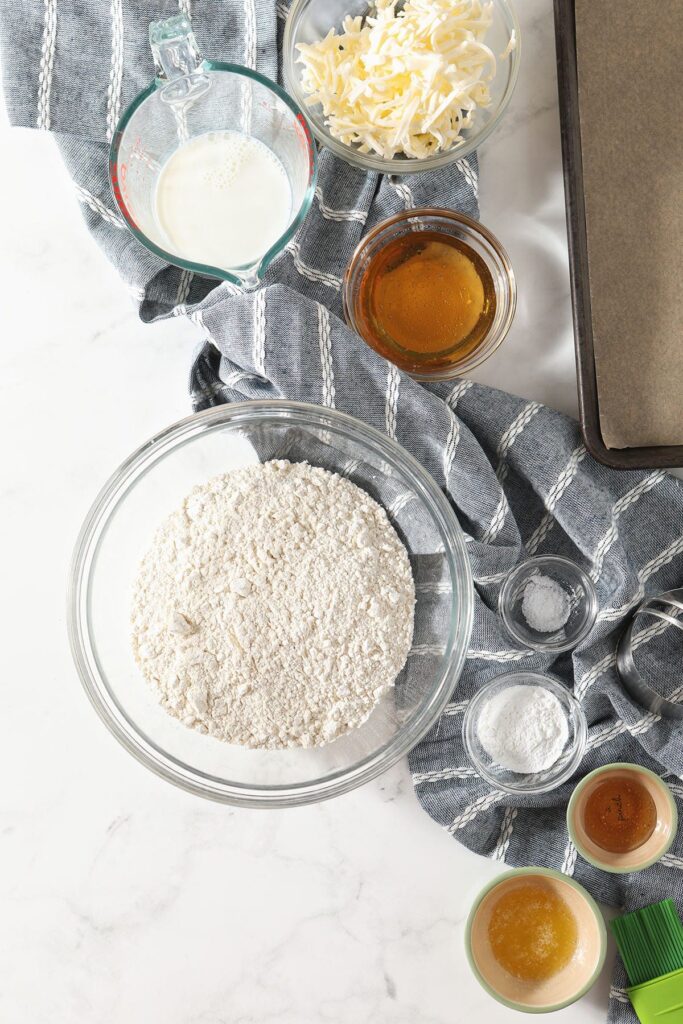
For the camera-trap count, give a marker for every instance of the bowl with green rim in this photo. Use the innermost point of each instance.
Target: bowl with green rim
(652, 848)
(560, 988)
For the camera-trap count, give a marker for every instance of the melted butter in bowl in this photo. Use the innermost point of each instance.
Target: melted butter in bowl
(532, 932)
(536, 940)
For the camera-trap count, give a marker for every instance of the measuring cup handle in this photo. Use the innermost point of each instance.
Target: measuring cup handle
(174, 47)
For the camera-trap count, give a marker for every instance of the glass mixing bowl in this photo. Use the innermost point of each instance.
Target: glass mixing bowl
(310, 20)
(119, 528)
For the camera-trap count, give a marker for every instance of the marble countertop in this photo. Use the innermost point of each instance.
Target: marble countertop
(124, 900)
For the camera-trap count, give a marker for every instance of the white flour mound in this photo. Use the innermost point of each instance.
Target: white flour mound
(274, 608)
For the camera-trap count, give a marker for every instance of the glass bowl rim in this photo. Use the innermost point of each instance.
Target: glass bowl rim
(555, 687)
(396, 166)
(143, 459)
(471, 227)
(592, 604)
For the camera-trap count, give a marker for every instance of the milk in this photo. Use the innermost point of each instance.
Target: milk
(223, 199)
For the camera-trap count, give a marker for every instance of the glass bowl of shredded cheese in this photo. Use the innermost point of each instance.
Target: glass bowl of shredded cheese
(119, 533)
(402, 87)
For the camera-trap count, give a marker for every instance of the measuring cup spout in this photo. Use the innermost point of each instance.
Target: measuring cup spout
(177, 58)
(249, 279)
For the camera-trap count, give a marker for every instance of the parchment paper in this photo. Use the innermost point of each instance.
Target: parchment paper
(630, 73)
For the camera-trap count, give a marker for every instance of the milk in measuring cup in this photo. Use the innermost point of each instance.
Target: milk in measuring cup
(223, 199)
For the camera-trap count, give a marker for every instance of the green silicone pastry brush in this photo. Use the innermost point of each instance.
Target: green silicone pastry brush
(650, 942)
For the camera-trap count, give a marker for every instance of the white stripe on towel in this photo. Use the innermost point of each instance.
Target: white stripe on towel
(569, 861)
(625, 502)
(404, 192)
(329, 213)
(391, 402)
(470, 175)
(459, 389)
(427, 650)
(501, 656)
(310, 272)
(451, 444)
(506, 442)
(500, 850)
(474, 809)
(116, 68)
(47, 63)
(399, 503)
(259, 354)
(554, 494)
(456, 709)
(325, 342)
(648, 570)
(419, 778)
(184, 283)
(97, 206)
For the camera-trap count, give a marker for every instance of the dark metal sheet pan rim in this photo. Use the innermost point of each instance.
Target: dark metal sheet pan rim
(652, 456)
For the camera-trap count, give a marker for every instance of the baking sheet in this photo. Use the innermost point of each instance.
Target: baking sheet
(630, 85)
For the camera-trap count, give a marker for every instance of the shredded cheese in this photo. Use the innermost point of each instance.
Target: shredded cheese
(512, 45)
(407, 81)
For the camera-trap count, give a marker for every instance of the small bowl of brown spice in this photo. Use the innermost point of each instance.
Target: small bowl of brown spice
(432, 291)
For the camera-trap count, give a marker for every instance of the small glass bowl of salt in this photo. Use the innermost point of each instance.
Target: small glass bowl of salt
(548, 603)
(524, 733)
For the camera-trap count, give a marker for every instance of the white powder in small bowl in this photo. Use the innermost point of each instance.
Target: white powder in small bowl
(523, 729)
(545, 604)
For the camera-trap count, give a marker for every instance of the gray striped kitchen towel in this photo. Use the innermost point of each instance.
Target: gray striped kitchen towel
(517, 474)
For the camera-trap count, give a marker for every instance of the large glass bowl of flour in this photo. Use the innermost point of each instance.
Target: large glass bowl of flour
(119, 529)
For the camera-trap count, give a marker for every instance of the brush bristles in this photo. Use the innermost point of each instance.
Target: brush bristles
(650, 941)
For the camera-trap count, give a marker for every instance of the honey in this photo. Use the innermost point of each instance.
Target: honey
(620, 814)
(426, 301)
(532, 931)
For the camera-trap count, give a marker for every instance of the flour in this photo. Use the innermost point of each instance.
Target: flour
(274, 608)
(523, 729)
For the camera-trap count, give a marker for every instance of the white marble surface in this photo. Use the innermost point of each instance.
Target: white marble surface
(123, 900)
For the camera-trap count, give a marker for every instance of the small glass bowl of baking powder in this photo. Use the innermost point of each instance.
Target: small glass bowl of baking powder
(548, 603)
(524, 733)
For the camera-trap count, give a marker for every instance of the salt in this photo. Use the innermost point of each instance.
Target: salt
(545, 604)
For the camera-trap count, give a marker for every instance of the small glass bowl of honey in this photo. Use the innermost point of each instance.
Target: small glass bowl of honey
(432, 291)
(622, 817)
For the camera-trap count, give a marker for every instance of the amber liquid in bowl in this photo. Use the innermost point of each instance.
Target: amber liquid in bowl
(426, 301)
(620, 815)
(533, 933)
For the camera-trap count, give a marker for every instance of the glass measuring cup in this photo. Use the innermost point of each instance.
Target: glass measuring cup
(189, 97)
